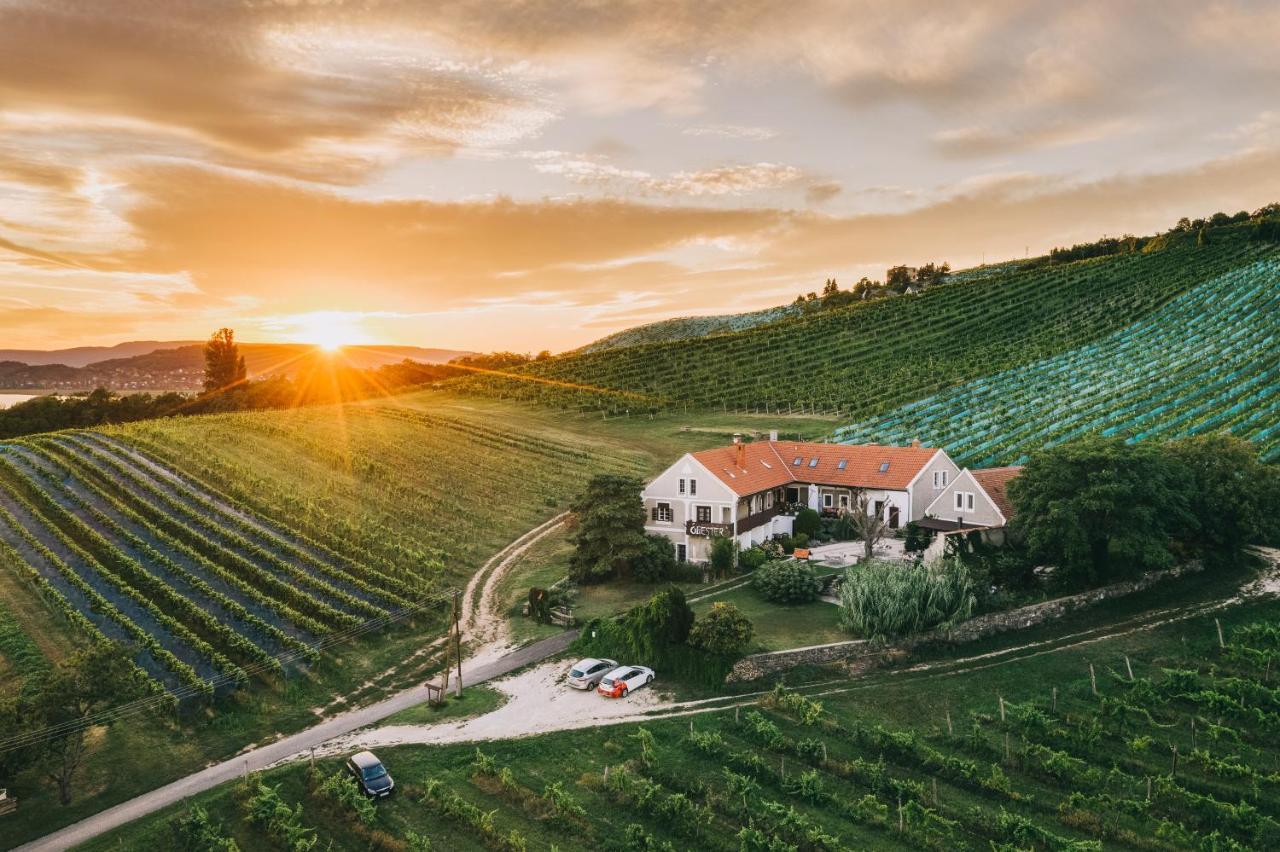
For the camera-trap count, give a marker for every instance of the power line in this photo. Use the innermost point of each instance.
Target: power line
(179, 694)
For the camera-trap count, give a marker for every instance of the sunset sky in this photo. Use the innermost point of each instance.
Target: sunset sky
(535, 175)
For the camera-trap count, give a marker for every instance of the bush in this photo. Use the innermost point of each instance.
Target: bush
(751, 559)
(881, 600)
(656, 561)
(807, 522)
(916, 538)
(842, 529)
(724, 631)
(787, 582)
(656, 634)
(194, 831)
(724, 552)
(341, 789)
(800, 541)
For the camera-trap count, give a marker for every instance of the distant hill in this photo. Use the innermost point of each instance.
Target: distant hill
(82, 356)
(180, 366)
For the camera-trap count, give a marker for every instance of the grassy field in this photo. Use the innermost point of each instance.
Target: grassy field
(919, 757)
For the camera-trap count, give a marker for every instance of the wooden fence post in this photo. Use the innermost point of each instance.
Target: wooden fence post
(1093, 679)
(1218, 624)
(1128, 667)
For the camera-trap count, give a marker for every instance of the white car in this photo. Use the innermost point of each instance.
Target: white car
(623, 679)
(585, 674)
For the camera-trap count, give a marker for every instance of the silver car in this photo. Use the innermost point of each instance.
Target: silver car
(585, 674)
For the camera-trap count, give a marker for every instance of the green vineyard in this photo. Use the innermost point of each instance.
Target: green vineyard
(863, 360)
(1209, 361)
(227, 547)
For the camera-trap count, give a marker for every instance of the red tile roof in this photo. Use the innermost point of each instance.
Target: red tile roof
(995, 481)
(770, 464)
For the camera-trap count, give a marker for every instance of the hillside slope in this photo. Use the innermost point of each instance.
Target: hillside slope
(685, 328)
(1208, 361)
(865, 359)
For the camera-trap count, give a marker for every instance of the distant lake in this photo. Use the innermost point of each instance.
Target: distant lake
(8, 399)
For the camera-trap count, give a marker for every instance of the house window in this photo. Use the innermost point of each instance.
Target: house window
(682, 554)
(796, 461)
(813, 462)
(843, 464)
(662, 513)
(681, 486)
(884, 467)
(939, 479)
(968, 500)
(844, 501)
(826, 501)
(769, 501)
(693, 487)
(704, 514)
(964, 501)
(793, 495)
(959, 501)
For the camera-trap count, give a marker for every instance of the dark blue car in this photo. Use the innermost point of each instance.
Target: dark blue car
(371, 775)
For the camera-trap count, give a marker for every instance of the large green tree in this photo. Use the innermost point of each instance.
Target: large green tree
(610, 534)
(1100, 509)
(223, 364)
(1227, 498)
(91, 680)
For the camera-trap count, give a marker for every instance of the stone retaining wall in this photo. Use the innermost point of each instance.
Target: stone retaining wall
(864, 656)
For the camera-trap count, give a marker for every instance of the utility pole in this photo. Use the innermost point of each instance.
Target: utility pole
(457, 635)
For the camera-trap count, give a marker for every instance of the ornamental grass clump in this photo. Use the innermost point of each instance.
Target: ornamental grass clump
(882, 600)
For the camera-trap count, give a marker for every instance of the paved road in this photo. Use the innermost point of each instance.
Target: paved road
(266, 755)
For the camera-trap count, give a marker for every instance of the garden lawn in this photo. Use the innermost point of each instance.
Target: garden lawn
(778, 626)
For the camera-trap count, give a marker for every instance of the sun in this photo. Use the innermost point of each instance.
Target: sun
(329, 330)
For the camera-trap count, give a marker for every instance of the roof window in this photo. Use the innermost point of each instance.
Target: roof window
(843, 464)
(797, 461)
(884, 467)
(813, 462)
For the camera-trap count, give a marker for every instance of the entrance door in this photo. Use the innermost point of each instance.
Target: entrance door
(681, 553)
(893, 517)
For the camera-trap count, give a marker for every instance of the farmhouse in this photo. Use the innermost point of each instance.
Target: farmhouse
(750, 490)
(974, 500)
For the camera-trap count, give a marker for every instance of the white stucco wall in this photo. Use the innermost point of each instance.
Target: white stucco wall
(711, 492)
